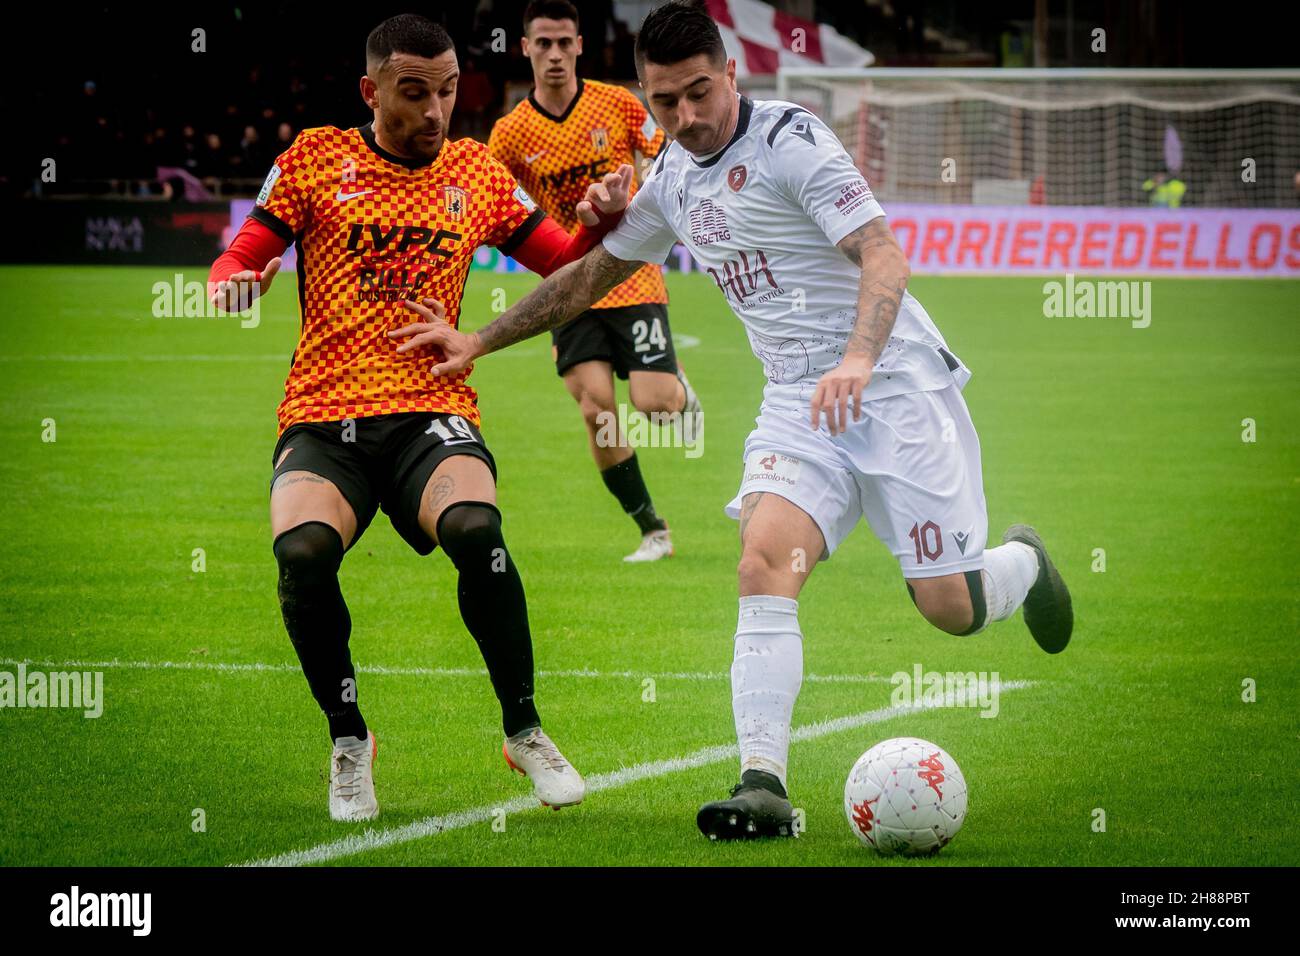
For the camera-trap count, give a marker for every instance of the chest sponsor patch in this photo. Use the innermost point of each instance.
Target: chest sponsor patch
(772, 467)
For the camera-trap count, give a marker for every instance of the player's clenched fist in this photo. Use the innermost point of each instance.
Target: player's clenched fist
(237, 293)
(608, 196)
(835, 388)
(458, 350)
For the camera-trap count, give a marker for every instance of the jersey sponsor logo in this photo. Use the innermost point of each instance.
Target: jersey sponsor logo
(582, 174)
(453, 200)
(394, 260)
(366, 237)
(268, 185)
(391, 285)
(525, 200)
(745, 281)
(341, 196)
(736, 177)
(600, 139)
(708, 224)
(852, 195)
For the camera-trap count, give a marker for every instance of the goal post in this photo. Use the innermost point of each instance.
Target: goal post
(1077, 137)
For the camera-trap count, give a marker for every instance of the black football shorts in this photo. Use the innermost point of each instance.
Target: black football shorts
(383, 461)
(631, 338)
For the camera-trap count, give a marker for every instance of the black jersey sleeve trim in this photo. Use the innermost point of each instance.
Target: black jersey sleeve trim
(272, 222)
(520, 235)
(781, 124)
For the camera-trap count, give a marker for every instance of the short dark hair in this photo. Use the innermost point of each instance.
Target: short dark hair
(406, 33)
(678, 31)
(550, 10)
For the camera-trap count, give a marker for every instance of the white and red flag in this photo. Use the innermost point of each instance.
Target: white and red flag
(762, 38)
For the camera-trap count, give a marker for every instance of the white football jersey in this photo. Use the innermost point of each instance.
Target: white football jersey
(762, 217)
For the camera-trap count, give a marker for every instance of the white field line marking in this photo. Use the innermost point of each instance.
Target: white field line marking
(417, 671)
(431, 826)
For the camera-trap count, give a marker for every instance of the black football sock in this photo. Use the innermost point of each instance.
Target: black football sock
(492, 605)
(318, 623)
(625, 483)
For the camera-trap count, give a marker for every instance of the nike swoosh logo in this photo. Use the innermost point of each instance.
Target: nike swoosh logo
(458, 441)
(341, 196)
(647, 359)
(534, 158)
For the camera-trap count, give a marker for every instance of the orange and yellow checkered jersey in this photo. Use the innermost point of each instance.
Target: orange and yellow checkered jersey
(373, 229)
(555, 158)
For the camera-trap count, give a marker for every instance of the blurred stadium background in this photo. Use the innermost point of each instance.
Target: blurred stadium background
(148, 144)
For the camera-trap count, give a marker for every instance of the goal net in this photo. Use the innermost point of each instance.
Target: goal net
(1063, 137)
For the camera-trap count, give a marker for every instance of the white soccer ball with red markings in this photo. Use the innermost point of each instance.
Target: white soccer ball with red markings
(906, 796)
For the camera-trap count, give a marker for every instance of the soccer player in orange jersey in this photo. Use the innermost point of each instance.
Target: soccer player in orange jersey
(567, 134)
(382, 216)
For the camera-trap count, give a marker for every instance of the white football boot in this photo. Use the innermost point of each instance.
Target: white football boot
(555, 782)
(352, 781)
(654, 545)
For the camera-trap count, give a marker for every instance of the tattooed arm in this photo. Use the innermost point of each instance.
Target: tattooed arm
(566, 293)
(880, 292)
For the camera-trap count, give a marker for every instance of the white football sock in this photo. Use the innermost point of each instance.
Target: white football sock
(1009, 571)
(766, 674)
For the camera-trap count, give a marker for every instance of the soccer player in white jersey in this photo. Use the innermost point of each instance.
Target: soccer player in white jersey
(862, 415)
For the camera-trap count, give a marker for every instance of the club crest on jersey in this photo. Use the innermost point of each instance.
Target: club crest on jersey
(600, 139)
(736, 177)
(453, 201)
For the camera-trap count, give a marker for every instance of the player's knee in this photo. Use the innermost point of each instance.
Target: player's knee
(470, 531)
(757, 571)
(657, 398)
(594, 407)
(308, 550)
(944, 603)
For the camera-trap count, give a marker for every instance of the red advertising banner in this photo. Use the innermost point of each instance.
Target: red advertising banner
(1051, 240)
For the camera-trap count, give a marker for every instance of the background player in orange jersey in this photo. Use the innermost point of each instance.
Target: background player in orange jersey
(565, 135)
(383, 214)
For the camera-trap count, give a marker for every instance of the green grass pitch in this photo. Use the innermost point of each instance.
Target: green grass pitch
(1104, 436)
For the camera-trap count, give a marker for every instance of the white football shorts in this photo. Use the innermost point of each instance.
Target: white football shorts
(910, 465)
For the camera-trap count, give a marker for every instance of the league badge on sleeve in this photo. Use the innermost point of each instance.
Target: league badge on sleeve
(271, 178)
(524, 199)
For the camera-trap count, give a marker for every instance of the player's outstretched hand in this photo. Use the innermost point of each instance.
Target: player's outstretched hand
(238, 292)
(834, 389)
(609, 196)
(457, 349)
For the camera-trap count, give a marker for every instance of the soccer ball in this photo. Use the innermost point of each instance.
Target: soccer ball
(905, 796)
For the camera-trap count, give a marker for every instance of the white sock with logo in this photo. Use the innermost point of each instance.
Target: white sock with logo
(1009, 571)
(766, 674)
